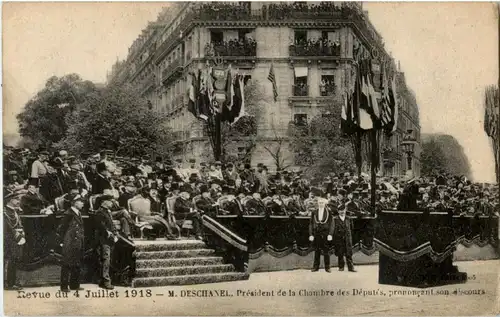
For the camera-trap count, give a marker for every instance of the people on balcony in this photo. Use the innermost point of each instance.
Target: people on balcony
(315, 47)
(234, 47)
(327, 87)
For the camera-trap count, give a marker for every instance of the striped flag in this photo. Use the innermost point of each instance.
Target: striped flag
(394, 102)
(272, 79)
(386, 112)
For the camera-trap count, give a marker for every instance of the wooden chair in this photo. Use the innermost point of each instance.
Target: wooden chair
(59, 203)
(134, 206)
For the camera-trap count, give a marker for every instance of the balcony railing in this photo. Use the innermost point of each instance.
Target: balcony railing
(181, 135)
(224, 11)
(172, 69)
(327, 90)
(300, 90)
(315, 48)
(147, 82)
(232, 48)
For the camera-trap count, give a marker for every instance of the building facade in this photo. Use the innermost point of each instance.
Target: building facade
(311, 46)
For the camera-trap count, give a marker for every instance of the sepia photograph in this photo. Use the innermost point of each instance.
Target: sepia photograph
(250, 158)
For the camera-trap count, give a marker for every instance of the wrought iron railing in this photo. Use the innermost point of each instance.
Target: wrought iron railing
(315, 49)
(172, 68)
(327, 90)
(232, 48)
(300, 90)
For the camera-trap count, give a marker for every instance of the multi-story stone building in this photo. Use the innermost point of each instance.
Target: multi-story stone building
(311, 46)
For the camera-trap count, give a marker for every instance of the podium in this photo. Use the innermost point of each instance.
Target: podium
(416, 248)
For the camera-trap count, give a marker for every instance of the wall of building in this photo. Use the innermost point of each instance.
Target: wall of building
(272, 49)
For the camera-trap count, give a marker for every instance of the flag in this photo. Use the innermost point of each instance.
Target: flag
(238, 110)
(366, 115)
(385, 103)
(272, 78)
(229, 89)
(202, 102)
(192, 96)
(394, 102)
(346, 119)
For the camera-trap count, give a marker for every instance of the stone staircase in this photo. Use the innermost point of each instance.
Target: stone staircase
(182, 262)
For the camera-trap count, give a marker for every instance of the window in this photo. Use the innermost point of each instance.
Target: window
(300, 36)
(327, 85)
(216, 36)
(300, 120)
(300, 87)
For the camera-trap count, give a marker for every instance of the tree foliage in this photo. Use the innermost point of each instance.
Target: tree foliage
(319, 145)
(443, 154)
(119, 120)
(42, 120)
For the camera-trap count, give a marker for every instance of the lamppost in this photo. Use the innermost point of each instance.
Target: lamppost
(408, 144)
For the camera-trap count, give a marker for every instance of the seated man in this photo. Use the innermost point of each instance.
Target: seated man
(254, 205)
(141, 206)
(205, 203)
(183, 210)
(295, 204)
(228, 203)
(121, 214)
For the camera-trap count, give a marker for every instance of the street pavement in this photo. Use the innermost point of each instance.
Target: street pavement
(281, 293)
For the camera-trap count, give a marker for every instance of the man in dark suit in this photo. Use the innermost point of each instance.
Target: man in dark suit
(32, 202)
(71, 233)
(205, 203)
(101, 180)
(13, 239)
(320, 232)
(107, 235)
(183, 210)
(343, 239)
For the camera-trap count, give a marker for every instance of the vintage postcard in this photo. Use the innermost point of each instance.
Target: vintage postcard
(251, 158)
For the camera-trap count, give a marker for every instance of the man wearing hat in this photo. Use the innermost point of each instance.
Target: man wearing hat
(13, 239)
(321, 228)
(183, 210)
(32, 202)
(71, 234)
(205, 203)
(107, 236)
(342, 238)
(102, 180)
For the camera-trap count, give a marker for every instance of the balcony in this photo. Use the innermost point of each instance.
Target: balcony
(327, 90)
(180, 136)
(315, 48)
(172, 70)
(219, 11)
(300, 90)
(147, 83)
(233, 48)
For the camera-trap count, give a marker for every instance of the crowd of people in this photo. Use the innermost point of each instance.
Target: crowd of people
(235, 47)
(139, 197)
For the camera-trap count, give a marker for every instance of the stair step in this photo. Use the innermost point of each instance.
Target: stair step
(189, 279)
(146, 255)
(168, 245)
(184, 270)
(209, 260)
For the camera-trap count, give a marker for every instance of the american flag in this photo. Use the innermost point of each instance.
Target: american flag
(387, 114)
(272, 79)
